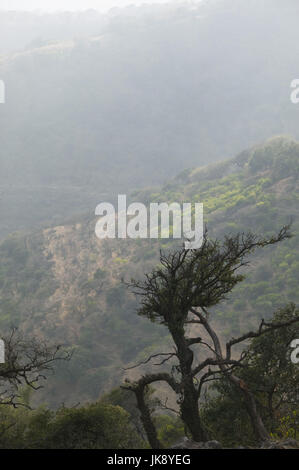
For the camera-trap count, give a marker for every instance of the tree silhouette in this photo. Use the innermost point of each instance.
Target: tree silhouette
(179, 294)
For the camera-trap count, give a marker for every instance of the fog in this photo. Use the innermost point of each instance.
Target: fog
(98, 104)
(190, 104)
(73, 5)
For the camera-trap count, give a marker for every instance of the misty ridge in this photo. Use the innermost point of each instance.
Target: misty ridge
(99, 104)
(133, 341)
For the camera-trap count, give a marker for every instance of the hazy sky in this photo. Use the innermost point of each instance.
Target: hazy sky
(52, 5)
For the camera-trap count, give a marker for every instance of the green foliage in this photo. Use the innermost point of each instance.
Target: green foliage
(64, 285)
(280, 155)
(274, 380)
(95, 426)
(226, 418)
(288, 426)
(169, 429)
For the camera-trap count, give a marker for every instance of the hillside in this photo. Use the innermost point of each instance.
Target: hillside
(131, 99)
(66, 285)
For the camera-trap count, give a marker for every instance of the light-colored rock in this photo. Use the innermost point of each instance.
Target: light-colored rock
(189, 444)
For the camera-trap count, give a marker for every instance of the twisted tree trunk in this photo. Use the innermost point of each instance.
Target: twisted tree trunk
(146, 419)
(258, 426)
(189, 400)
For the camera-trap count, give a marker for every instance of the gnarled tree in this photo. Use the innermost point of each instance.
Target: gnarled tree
(27, 361)
(179, 294)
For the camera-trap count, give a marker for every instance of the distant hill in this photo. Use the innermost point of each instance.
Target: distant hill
(65, 284)
(133, 98)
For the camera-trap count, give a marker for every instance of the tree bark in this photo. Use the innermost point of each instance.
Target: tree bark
(189, 401)
(258, 426)
(250, 402)
(190, 411)
(146, 419)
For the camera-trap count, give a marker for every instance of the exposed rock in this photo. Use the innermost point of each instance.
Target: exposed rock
(189, 444)
(213, 445)
(287, 444)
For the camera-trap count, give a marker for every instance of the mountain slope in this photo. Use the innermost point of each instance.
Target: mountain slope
(156, 90)
(65, 284)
